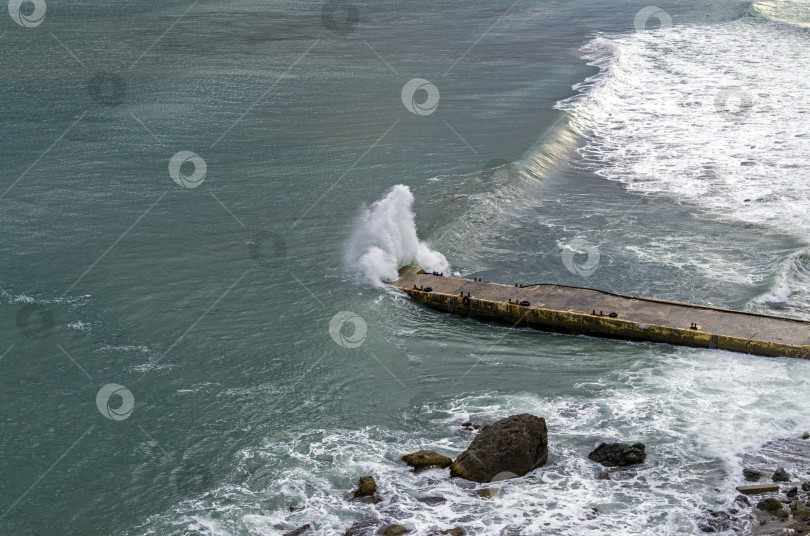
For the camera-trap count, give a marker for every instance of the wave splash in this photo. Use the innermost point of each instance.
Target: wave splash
(384, 239)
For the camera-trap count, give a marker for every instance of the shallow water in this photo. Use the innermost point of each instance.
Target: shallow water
(212, 305)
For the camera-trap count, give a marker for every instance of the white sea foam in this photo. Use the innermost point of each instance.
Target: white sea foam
(384, 239)
(716, 117)
(796, 12)
(697, 412)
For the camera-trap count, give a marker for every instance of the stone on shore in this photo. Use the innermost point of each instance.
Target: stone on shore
(618, 454)
(781, 475)
(425, 459)
(769, 505)
(516, 445)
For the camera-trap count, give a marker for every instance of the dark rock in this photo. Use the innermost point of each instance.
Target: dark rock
(395, 530)
(769, 505)
(751, 475)
(424, 459)
(299, 531)
(806, 486)
(516, 445)
(432, 501)
(742, 499)
(805, 436)
(466, 424)
(716, 522)
(801, 515)
(366, 487)
(792, 492)
(781, 475)
(604, 475)
(455, 531)
(618, 454)
(782, 513)
(364, 527)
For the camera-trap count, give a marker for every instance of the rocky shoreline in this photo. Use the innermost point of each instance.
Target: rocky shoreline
(774, 483)
(508, 448)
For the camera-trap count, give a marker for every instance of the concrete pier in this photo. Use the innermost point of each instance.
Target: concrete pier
(598, 313)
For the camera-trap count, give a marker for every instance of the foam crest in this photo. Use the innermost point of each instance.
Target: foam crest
(711, 116)
(384, 239)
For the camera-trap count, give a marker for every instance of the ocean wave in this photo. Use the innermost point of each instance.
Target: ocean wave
(795, 12)
(698, 411)
(712, 116)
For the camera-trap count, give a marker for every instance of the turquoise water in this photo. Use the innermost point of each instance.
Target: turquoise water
(209, 307)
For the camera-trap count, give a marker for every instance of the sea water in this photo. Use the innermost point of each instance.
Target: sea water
(199, 201)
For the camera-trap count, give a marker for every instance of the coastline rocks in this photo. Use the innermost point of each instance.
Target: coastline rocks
(716, 521)
(516, 444)
(805, 436)
(455, 531)
(300, 530)
(751, 475)
(366, 490)
(425, 459)
(364, 527)
(769, 505)
(395, 530)
(618, 454)
(781, 475)
(806, 486)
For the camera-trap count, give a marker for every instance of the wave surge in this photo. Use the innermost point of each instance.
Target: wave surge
(384, 239)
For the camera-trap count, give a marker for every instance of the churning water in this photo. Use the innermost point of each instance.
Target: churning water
(199, 201)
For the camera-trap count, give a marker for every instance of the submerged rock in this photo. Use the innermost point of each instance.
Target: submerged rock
(366, 487)
(618, 454)
(455, 531)
(300, 530)
(425, 459)
(366, 491)
(716, 522)
(751, 475)
(516, 444)
(781, 475)
(395, 530)
(364, 527)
